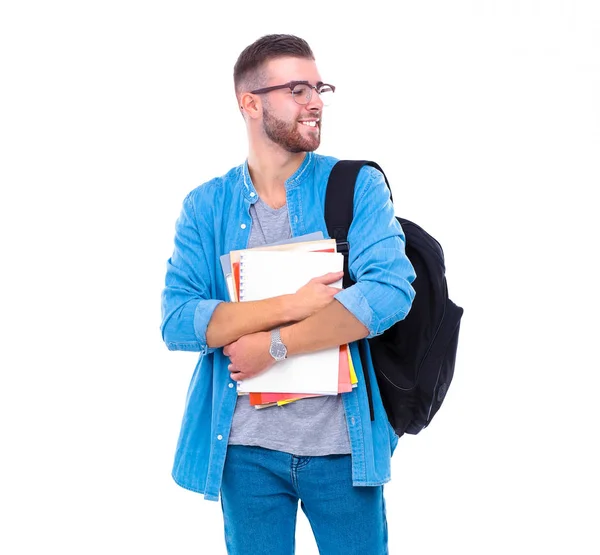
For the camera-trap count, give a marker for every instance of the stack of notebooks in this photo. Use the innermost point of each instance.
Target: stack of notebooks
(280, 269)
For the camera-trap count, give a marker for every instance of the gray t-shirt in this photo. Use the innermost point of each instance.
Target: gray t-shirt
(308, 427)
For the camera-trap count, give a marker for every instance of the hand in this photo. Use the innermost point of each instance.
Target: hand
(315, 295)
(249, 355)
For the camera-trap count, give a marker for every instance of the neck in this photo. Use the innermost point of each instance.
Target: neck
(270, 167)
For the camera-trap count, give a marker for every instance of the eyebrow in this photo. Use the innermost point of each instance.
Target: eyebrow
(319, 83)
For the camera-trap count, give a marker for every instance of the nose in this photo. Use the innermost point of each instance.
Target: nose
(315, 102)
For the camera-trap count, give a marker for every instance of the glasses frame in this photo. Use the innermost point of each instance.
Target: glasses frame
(291, 85)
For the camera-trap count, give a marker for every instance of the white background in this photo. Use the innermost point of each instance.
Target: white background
(485, 116)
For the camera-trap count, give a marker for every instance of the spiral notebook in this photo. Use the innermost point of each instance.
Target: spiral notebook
(226, 261)
(265, 274)
(328, 245)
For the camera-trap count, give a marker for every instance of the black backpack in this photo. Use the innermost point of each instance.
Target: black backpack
(414, 359)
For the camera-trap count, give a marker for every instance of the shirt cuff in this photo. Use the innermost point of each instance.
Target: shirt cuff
(202, 316)
(357, 304)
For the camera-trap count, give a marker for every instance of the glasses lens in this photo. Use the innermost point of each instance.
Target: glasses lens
(301, 94)
(326, 94)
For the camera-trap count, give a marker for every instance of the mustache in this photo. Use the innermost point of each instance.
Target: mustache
(315, 115)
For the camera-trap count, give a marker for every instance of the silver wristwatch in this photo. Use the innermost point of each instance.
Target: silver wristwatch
(277, 349)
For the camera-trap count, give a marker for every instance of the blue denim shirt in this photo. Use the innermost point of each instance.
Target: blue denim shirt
(214, 220)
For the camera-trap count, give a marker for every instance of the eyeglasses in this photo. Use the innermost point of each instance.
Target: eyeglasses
(302, 91)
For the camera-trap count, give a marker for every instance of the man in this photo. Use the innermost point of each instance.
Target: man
(324, 451)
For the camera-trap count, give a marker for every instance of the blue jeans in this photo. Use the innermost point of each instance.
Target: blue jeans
(260, 493)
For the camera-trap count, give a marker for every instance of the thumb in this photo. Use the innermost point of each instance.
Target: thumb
(330, 277)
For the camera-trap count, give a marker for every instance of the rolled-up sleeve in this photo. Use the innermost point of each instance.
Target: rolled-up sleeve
(187, 306)
(382, 294)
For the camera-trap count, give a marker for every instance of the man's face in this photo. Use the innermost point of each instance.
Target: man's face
(293, 127)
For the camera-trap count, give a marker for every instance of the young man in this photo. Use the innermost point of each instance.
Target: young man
(324, 451)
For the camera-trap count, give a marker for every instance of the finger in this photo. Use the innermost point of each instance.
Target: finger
(226, 350)
(231, 369)
(236, 376)
(329, 277)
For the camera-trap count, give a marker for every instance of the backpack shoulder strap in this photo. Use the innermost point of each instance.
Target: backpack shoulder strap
(339, 199)
(339, 203)
(339, 211)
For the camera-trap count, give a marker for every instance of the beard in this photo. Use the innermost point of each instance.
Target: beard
(287, 135)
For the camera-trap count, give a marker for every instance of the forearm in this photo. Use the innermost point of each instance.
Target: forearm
(332, 326)
(230, 321)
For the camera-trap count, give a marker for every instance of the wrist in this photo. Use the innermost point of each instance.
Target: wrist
(286, 333)
(277, 349)
(290, 309)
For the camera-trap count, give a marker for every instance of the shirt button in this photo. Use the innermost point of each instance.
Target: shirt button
(219, 437)
(252, 194)
(230, 385)
(295, 219)
(243, 226)
(352, 420)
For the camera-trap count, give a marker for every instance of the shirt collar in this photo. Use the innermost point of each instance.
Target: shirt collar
(295, 180)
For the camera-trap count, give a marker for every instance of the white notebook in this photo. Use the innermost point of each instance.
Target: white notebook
(265, 274)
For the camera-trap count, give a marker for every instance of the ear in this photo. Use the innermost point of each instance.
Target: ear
(250, 105)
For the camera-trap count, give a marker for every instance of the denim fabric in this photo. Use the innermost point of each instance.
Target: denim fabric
(260, 493)
(214, 220)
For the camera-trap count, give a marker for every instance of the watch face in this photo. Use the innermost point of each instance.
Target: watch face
(278, 351)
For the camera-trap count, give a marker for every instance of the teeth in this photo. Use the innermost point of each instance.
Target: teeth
(309, 123)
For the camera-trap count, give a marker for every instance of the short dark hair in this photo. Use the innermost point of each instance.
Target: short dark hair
(247, 72)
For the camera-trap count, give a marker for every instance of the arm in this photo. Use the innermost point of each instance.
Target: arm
(187, 303)
(381, 296)
(331, 326)
(230, 321)
(194, 321)
(334, 325)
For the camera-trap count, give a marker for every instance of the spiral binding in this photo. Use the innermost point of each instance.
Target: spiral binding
(241, 277)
